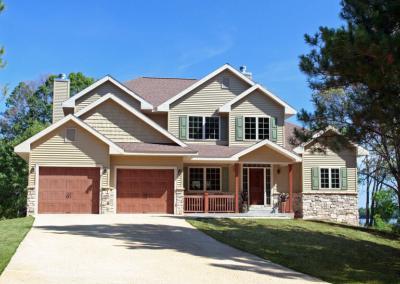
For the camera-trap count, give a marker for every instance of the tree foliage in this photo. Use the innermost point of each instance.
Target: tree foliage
(28, 111)
(354, 72)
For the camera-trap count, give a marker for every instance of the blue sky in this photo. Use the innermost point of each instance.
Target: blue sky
(163, 38)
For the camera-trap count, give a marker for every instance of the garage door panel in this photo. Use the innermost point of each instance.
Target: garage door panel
(145, 191)
(69, 190)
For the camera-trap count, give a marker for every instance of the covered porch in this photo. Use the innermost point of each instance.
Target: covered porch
(259, 181)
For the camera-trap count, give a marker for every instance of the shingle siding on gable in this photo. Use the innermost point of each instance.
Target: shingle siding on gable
(102, 90)
(256, 104)
(206, 100)
(119, 125)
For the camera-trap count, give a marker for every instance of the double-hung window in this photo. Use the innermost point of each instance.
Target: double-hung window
(256, 128)
(204, 127)
(330, 178)
(201, 179)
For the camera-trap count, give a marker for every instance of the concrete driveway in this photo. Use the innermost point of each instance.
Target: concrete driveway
(133, 249)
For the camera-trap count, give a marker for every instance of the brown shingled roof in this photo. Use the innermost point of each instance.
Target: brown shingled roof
(158, 90)
(216, 151)
(289, 129)
(136, 147)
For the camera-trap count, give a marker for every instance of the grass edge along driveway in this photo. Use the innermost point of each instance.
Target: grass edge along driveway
(12, 232)
(332, 252)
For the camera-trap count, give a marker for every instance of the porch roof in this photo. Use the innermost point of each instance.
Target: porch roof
(139, 148)
(216, 151)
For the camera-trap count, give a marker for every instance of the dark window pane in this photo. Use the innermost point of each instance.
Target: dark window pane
(324, 178)
(195, 127)
(268, 186)
(213, 179)
(250, 128)
(335, 178)
(212, 127)
(196, 179)
(263, 128)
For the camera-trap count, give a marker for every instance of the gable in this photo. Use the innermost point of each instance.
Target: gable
(52, 149)
(210, 95)
(265, 154)
(102, 90)
(119, 125)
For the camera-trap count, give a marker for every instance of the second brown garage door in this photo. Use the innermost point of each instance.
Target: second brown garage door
(145, 191)
(69, 190)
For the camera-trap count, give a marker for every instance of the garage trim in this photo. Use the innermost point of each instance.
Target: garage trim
(37, 171)
(144, 168)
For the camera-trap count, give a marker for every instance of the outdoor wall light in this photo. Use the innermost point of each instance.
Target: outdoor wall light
(279, 170)
(179, 172)
(104, 171)
(32, 169)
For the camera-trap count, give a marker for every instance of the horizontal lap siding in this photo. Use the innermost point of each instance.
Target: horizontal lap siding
(119, 125)
(52, 150)
(147, 162)
(345, 158)
(102, 90)
(256, 104)
(206, 100)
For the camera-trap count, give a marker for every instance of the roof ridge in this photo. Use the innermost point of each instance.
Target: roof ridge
(175, 78)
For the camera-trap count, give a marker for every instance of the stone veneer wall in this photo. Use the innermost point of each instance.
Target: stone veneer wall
(336, 207)
(179, 200)
(30, 201)
(107, 200)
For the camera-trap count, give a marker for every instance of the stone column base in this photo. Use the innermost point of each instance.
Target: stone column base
(335, 207)
(30, 201)
(179, 200)
(107, 201)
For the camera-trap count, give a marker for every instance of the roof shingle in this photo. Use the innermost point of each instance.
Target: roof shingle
(158, 90)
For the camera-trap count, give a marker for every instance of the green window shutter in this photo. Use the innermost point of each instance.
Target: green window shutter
(225, 179)
(183, 127)
(343, 175)
(186, 178)
(274, 130)
(315, 178)
(239, 128)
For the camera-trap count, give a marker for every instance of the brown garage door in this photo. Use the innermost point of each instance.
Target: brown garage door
(69, 190)
(145, 191)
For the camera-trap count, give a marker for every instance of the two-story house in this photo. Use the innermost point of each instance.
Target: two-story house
(169, 145)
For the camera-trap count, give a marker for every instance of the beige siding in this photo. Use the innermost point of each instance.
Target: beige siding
(160, 118)
(205, 100)
(86, 151)
(264, 155)
(345, 158)
(60, 94)
(102, 90)
(256, 104)
(281, 180)
(147, 162)
(119, 125)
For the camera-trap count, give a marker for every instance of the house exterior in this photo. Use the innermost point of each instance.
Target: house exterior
(168, 145)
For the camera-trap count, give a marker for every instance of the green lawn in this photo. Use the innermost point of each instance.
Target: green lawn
(12, 232)
(332, 252)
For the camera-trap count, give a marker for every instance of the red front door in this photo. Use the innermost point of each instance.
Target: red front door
(256, 186)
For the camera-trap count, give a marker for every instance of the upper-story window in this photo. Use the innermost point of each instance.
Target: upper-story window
(204, 127)
(330, 178)
(256, 128)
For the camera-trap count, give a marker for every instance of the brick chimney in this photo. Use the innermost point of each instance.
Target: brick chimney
(60, 94)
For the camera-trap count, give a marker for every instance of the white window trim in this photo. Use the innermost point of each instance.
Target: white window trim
(330, 178)
(205, 179)
(204, 128)
(257, 117)
(66, 140)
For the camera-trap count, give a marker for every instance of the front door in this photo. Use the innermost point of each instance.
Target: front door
(256, 186)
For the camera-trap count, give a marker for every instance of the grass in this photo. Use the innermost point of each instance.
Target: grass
(12, 232)
(332, 252)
